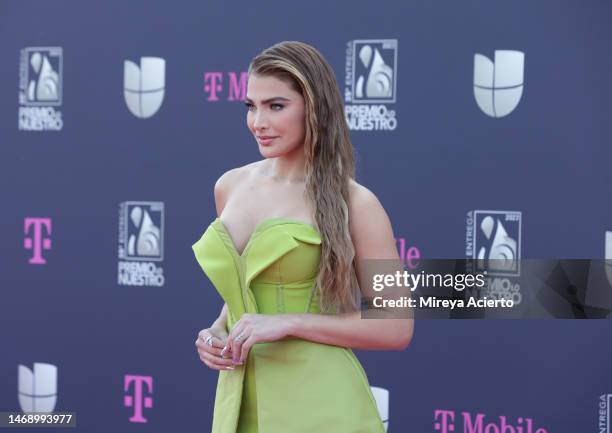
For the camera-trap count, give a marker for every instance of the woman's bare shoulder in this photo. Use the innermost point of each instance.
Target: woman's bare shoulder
(360, 197)
(369, 224)
(235, 175)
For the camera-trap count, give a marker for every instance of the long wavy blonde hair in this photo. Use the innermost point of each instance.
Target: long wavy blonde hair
(329, 163)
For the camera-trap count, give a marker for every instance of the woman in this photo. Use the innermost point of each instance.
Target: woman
(283, 254)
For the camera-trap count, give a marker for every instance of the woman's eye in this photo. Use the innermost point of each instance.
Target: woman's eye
(276, 107)
(249, 106)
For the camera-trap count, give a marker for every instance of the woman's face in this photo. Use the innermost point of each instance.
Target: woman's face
(275, 116)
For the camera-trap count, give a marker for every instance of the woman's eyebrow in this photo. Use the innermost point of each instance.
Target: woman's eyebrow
(266, 101)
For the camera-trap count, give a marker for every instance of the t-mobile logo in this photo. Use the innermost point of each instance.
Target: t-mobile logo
(136, 400)
(37, 243)
(445, 420)
(236, 81)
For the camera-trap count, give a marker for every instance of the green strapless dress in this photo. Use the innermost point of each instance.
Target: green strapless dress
(291, 385)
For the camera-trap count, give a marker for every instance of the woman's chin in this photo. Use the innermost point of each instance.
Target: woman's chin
(270, 152)
(274, 151)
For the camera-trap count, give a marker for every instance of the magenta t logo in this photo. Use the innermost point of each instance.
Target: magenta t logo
(213, 84)
(36, 242)
(136, 400)
(444, 420)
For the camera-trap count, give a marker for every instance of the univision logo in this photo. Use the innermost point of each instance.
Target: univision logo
(381, 396)
(498, 85)
(38, 388)
(143, 86)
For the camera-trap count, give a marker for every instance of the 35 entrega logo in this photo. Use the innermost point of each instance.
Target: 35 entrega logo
(604, 411)
(493, 243)
(371, 84)
(494, 238)
(448, 421)
(40, 89)
(141, 243)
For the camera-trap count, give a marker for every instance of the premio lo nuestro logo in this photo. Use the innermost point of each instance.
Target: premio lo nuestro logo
(37, 388)
(144, 85)
(493, 242)
(40, 89)
(498, 84)
(141, 243)
(371, 84)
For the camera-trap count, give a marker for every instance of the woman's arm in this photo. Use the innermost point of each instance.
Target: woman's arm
(211, 340)
(221, 322)
(221, 191)
(373, 239)
(350, 330)
(375, 246)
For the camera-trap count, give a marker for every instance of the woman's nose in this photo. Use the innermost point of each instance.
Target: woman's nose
(260, 121)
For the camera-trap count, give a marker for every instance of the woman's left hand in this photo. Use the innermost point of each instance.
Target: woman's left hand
(255, 328)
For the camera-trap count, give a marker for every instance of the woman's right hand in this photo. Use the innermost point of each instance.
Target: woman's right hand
(211, 354)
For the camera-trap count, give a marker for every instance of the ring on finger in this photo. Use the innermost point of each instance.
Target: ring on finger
(239, 337)
(208, 341)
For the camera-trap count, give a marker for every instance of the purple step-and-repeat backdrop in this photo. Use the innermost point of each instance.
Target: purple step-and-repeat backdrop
(116, 119)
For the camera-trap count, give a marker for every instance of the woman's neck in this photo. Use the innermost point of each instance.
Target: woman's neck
(288, 168)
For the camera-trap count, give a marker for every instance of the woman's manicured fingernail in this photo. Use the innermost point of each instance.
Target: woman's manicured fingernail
(230, 368)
